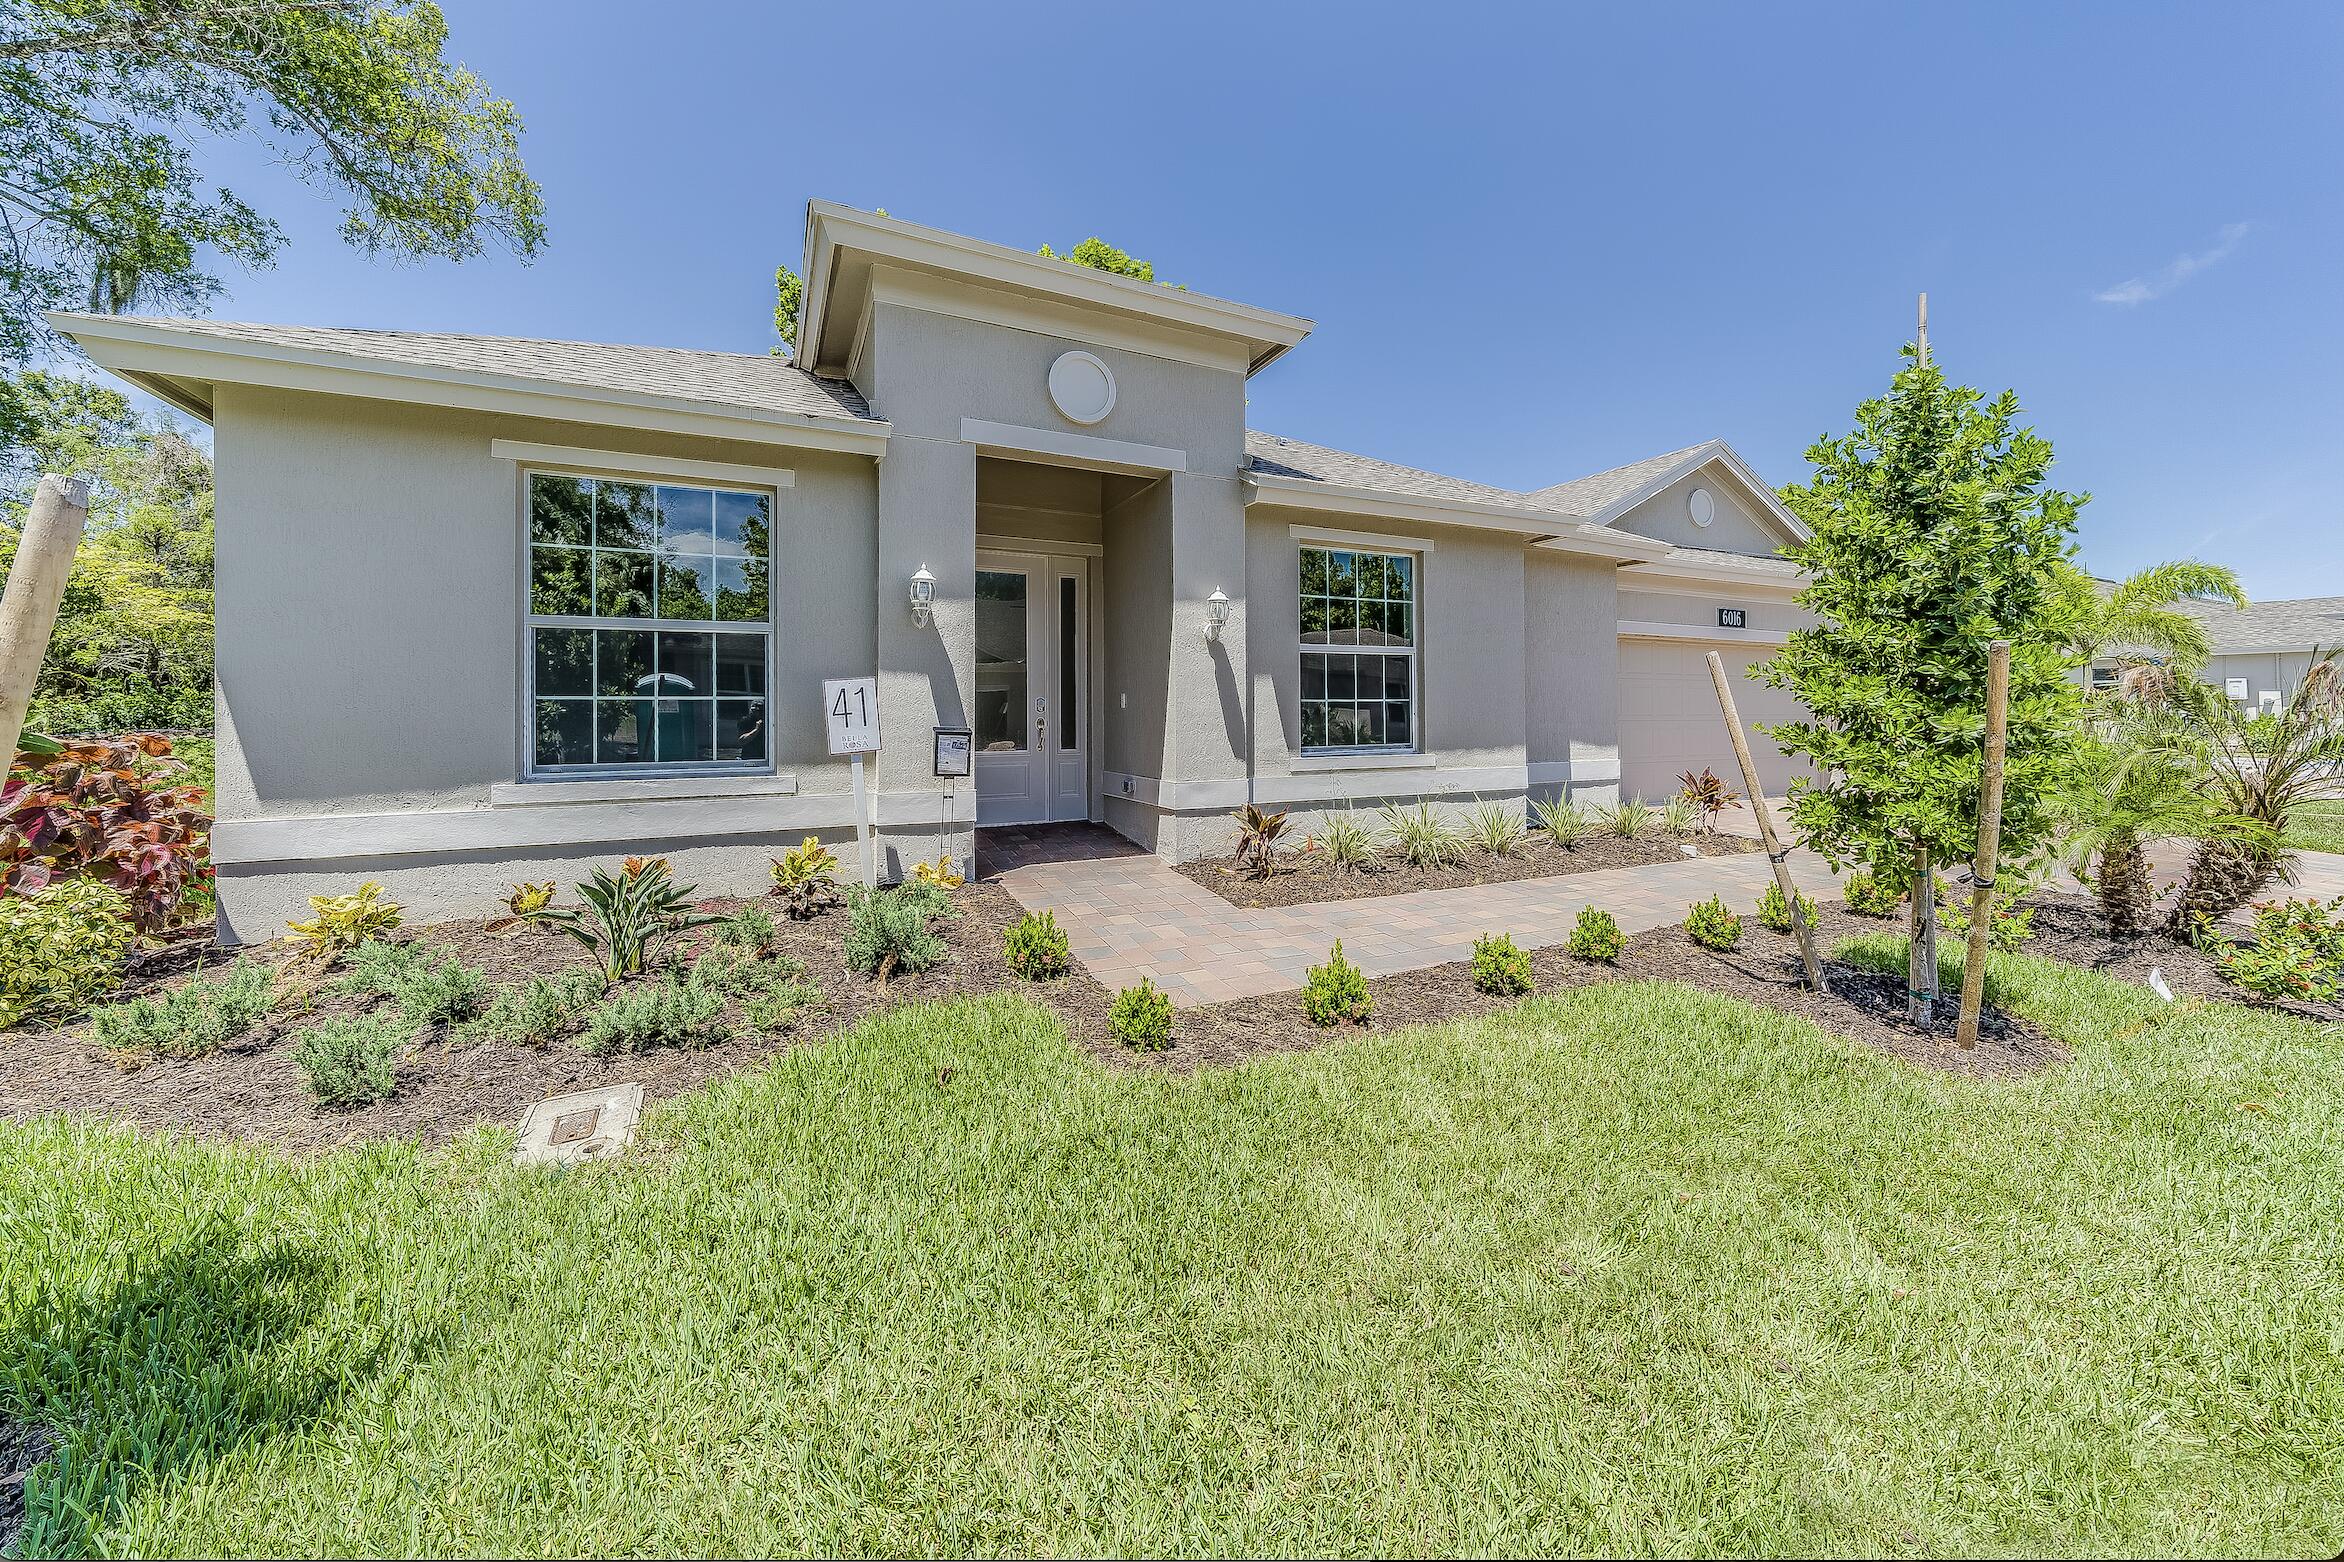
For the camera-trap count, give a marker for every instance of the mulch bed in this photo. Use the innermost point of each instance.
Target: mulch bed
(1304, 875)
(21, 1448)
(447, 1083)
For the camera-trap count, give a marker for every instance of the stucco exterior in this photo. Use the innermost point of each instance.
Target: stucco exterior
(373, 550)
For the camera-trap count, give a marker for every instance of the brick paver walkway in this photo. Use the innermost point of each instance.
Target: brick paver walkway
(1127, 915)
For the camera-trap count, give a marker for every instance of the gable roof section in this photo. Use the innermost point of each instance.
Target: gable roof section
(735, 395)
(1276, 456)
(2295, 625)
(1603, 497)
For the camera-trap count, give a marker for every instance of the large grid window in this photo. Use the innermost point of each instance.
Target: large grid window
(1358, 650)
(650, 625)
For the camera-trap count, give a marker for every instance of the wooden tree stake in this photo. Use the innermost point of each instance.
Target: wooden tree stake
(1774, 852)
(36, 584)
(1982, 871)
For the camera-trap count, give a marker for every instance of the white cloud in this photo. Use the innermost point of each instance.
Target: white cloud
(2139, 290)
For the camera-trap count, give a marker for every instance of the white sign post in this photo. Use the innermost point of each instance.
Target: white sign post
(851, 708)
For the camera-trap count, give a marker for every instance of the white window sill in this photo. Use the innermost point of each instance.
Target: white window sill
(1395, 760)
(530, 794)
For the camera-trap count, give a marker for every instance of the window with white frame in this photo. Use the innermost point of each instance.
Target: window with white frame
(1359, 638)
(650, 626)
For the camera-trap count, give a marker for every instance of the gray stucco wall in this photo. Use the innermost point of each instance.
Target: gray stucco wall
(369, 647)
(1571, 662)
(1733, 528)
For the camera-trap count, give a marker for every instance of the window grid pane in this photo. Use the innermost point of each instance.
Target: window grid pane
(1363, 698)
(615, 695)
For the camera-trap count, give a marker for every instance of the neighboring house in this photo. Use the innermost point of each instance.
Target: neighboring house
(2260, 651)
(492, 609)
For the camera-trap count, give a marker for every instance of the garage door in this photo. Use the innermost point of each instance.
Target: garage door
(1670, 723)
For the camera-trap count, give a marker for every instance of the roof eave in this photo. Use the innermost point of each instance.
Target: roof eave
(1699, 456)
(1537, 527)
(146, 355)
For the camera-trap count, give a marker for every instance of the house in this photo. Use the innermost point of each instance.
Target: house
(492, 610)
(2260, 651)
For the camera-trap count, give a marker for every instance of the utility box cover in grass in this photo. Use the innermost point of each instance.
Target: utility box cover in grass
(589, 1126)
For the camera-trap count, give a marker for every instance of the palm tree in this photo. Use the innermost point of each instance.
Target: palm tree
(2138, 774)
(2142, 614)
(2261, 767)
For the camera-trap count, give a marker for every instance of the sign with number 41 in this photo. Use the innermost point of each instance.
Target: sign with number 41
(851, 707)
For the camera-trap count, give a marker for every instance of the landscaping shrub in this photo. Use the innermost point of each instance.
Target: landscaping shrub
(1141, 1017)
(1629, 818)
(1867, 896)
(340, 923)
(349, 1059)
(2010, 929)
(115, 810)
(1349, 845)
(1336, 991)
(2294, 950)
(1597, 936)
(1497, 828)
(941, 873)
(60, 947)
(805, 880)
(678, 1010)
(139, 707)
(887, 930)
(527, 900)
(1677, 817)
(739, 972)
(427, 991)
(1564, 821)
(1775, 911)
(1499, 965)
(539, 1012)
(1258, 834)
(629, 920)
(750, 930)
(191, 1021)
(1712, 926)
(1706, 795)
(1424, 838)
(781, 1006)
(1035, 947)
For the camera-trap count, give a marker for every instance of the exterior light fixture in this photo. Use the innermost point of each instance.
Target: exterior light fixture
(923, 597)
(1216, 613)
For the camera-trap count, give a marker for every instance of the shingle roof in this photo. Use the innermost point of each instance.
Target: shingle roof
(1592, 494)
(1276, 456)
(1756, 563)
(2272, 626)
(755, 381)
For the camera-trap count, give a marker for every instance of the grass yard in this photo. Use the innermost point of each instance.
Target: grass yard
(2317, 827)
(1632, 1268)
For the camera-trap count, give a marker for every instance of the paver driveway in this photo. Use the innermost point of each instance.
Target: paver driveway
(1127, 915)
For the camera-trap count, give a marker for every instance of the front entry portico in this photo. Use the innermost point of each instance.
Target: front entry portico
(1031, 713)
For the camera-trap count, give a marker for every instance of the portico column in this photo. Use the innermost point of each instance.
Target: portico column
(927, 517)
(1205, 738)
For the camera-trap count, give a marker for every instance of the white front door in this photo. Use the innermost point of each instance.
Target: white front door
(1031, 712)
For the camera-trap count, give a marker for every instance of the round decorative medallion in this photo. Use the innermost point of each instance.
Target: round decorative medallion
(1703, 507)
(1081, 387)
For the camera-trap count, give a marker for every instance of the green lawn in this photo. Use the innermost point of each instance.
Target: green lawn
(2317, 827)
(1630, 1269)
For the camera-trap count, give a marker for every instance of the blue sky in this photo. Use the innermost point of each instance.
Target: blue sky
(1536, 242)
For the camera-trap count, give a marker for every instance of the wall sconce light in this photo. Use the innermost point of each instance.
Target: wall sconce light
(923, 597)
(1216, 613)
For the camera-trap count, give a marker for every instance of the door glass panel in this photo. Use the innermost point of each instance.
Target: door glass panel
(1066, 669)
(1000, 717)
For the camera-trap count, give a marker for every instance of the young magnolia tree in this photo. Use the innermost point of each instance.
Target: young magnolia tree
(1933, 534)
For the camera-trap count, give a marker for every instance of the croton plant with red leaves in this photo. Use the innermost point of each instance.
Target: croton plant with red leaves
(109, 809)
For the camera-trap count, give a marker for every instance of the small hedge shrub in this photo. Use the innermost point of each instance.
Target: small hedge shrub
(1336, 992)
(887, 930)
(192, 1021)
(675, 1011)
(342, 922)
(60, 946)
(2295, 950)
(1597, 936)
(1499, 965)
(1775, 911)
(1712, 926)
(750, 931)
(540, 1012)
(427, 991)
(1035, 947)
(349, 1060)
(1866, 896)
(1141, 1018)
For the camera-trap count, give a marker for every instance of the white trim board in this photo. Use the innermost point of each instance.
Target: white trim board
(1041, 545)
(1545, 528)
(1344, 539)
(1087, 451)
(630, 464)
(955, 300)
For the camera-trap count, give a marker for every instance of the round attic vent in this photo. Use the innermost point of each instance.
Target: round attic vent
(1081, 387)
(1703, 507)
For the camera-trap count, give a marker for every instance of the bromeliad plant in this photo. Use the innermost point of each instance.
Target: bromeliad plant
(1497, 828)
(1349, 845)
(1258, 834)
(1564, 821)
(629, 919)
(113, 810)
